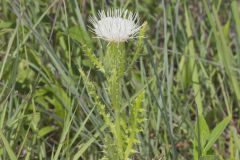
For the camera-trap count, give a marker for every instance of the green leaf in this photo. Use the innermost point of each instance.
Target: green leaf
(139, 46)
(35, 118)
(24, 72)
(5, 24)
(7, 147)
(226, 29)
(209, 157)
(204, 130)
(236, 18)
(86, 145)
(81, 36)
(192, 69)
(203, 133)
(215, 134)
(45, 130)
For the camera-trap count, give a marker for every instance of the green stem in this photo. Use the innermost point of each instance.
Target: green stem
(114, 65)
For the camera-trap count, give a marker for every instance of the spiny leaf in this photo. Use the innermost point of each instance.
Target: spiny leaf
(94, 60)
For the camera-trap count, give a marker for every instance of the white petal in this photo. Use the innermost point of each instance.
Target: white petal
(116, 25)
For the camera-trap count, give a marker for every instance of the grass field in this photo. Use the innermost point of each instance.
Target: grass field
(179, 95)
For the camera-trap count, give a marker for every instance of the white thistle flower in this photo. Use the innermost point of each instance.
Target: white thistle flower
(116, 25)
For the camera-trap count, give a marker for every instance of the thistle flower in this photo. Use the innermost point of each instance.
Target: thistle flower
(116, 25)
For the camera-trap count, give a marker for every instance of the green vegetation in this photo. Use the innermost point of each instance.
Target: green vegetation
(174, 94)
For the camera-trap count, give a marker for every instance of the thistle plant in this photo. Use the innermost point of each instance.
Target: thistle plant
(117, 27)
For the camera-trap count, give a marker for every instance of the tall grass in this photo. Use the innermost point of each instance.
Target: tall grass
(54, 95)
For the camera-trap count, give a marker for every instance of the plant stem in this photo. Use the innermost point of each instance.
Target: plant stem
(115, 68)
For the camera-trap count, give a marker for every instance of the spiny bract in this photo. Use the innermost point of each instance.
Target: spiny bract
(116, 25)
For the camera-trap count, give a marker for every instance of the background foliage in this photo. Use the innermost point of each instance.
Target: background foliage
(188, 69)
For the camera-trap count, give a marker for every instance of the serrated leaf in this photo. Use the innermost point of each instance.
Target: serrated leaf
(94, 60)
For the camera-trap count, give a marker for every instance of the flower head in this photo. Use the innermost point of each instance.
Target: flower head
(116, 25)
